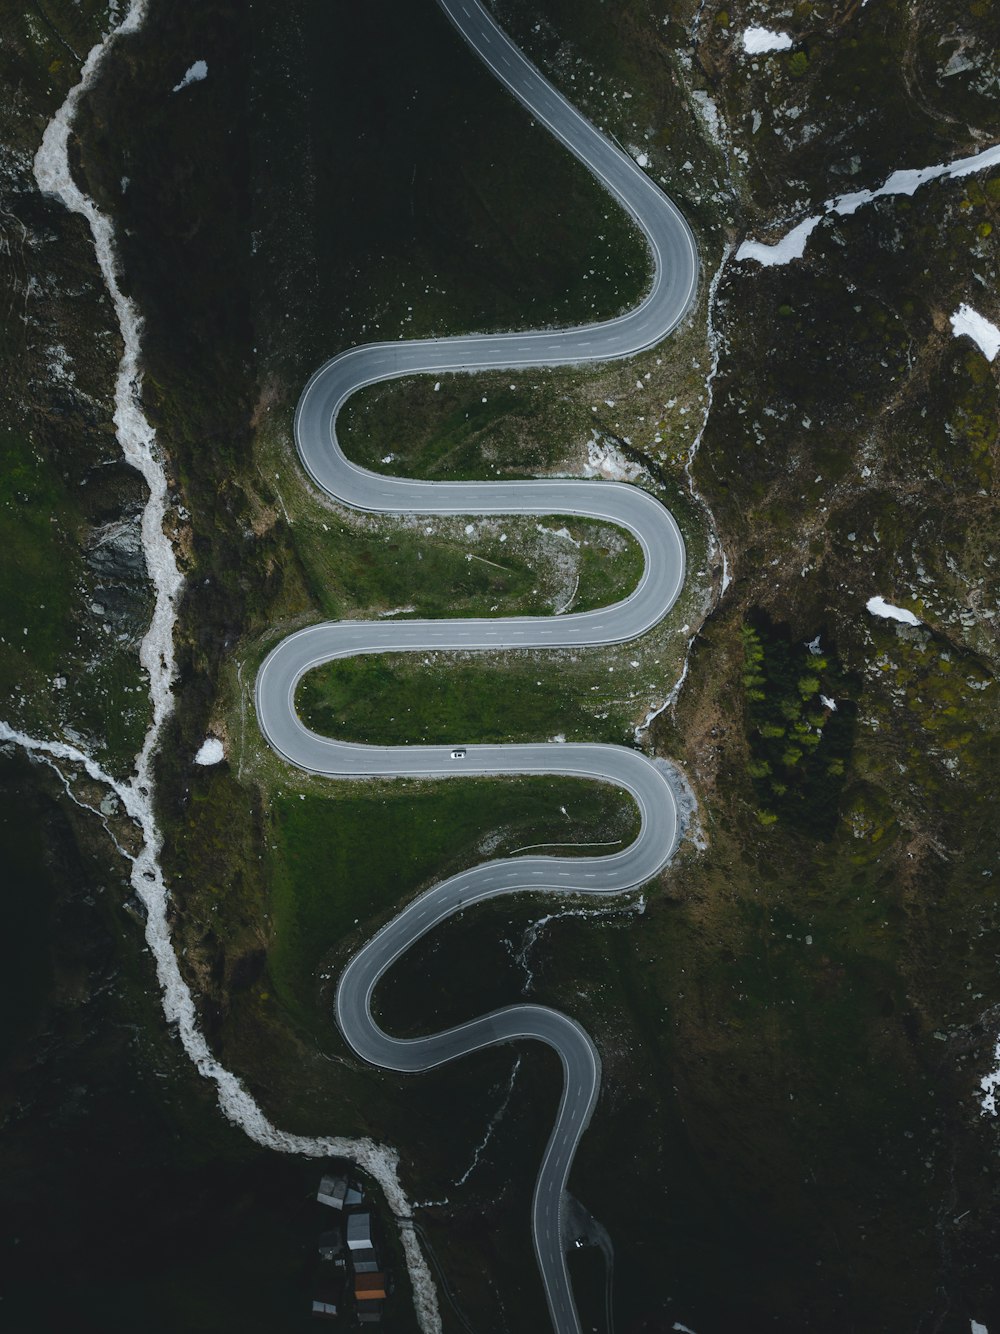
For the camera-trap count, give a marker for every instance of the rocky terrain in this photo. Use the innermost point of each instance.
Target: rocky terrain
(798, 1021)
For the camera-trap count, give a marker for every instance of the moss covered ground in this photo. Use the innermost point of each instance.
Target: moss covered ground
(71, 605)
(793, 1029)
(367, 854)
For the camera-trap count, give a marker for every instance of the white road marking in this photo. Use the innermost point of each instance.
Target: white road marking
(675, 266)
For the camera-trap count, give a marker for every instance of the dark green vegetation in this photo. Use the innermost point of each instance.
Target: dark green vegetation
(800, 726)
(462, 428)
(71, 602)
(877, 86)
(840, 971)
(426, 212)
(485, 426)
(330, 858)
(793, 1031)
(114, 1161)
(37, 573)
(228, 349)
(25, 964)
(399, 698)
(410, 569)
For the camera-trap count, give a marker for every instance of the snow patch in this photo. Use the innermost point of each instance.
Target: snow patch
(757, 42)
(211, 751)
(990, 1084)
(791, 246)
(197, 72)
(971, 324)
(878, 606)
(909, 181)
(903, 182)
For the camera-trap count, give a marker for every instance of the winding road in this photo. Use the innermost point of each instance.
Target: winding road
(675, 278)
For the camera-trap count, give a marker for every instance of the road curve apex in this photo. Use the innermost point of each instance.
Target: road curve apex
(672, 291)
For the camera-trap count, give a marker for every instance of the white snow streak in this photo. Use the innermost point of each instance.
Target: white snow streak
(758, 41)
(671, 699)
(904, 182)
(985, 335)
(137, 440)
(494, 1121)
(532, 933)
(908, 182)
(878, 606)
(791, 246)
(714, 340)
(197, 72)
(715, 348)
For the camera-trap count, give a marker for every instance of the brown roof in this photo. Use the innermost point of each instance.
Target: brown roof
(369, 1287)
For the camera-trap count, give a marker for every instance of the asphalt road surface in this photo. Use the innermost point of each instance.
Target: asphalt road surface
(675, 278)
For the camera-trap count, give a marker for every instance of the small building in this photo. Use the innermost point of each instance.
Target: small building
(365, 1262)
(369, 1313)
(333, 1192)
(331, 1244)
(359, 1231)
(369, 1288)
(328, 1302)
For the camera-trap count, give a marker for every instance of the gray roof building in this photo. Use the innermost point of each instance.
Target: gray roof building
(359, 1231)
(365, 1262)
(328, 1301)
(332, 1191)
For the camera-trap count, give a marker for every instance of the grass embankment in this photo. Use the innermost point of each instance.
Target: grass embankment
(342, 566)
(400, 698)
(800, 1026)
(474, 218)
(243, 297)
(39, 570)
(70, 608)
(367, 853)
